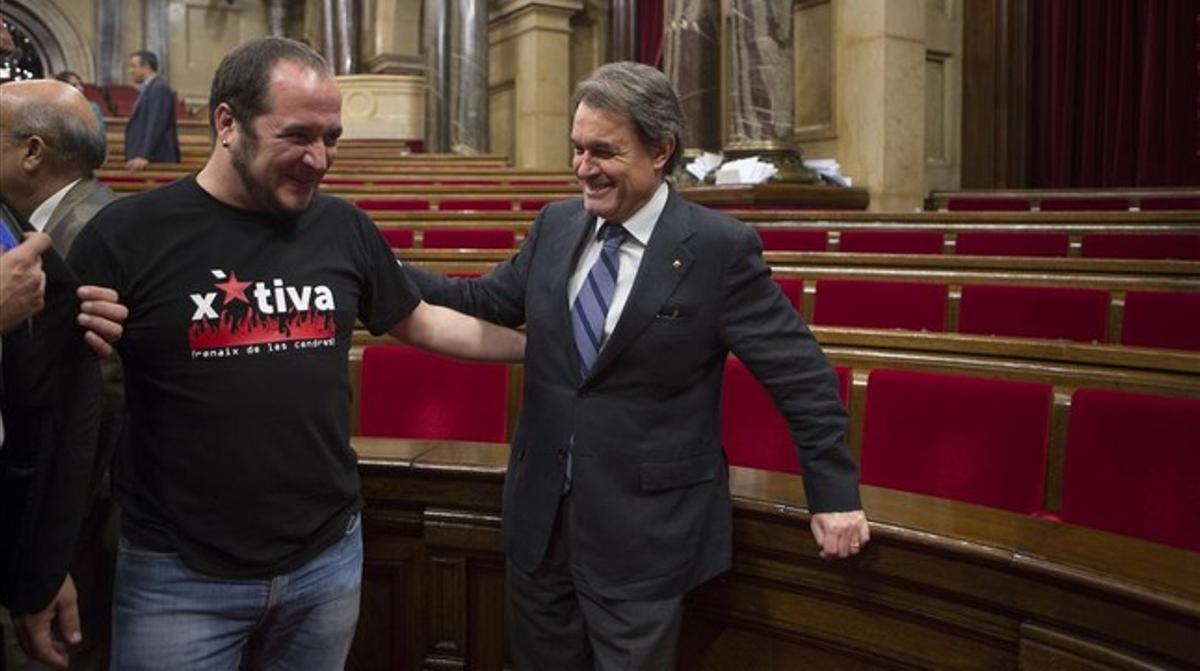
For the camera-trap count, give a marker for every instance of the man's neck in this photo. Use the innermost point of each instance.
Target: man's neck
(221, 181)
(45, 187)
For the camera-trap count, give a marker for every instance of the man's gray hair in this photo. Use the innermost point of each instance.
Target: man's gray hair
(640, 93)
(73, 141)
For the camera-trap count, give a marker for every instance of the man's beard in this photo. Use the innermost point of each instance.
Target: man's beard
(240, 156)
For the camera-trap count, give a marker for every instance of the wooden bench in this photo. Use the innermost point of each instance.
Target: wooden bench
(1165, 198)
(941, 585)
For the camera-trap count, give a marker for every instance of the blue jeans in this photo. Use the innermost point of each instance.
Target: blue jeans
(167, 616)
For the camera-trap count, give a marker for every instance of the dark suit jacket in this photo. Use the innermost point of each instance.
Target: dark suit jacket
(75, 210)
(51, 408)
(650, 494)
(150, 133)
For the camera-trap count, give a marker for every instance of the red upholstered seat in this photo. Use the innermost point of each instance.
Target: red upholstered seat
(470, 238)
(1080, 315)
(398, 238)
(753, 432)
(793, 288)
(122, 97)
(987, 204)
(1161, 319)
(407, 393)
(1170, 203)
(795, 240)
(891, 242)
(1084, 204)
(878, 304)
(392, 204)
(533, 205)
(986, 243)
(1131, 466)
(969, 439)
(490, 205)
(1141, 246)
(95, 95)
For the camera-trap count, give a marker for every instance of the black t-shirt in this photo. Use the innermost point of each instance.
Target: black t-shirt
(236, 361)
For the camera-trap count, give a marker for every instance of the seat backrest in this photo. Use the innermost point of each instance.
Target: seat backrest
(122, 98)
(1000, 243)
(407, 393)
(970, 439)
(392, 204)
(1170, 203)
(462, 204)
(890, 242)
(880, 304)
(1141, 246)
(793, 288)
(470, 238)
(1098, 204)
(795, 240)
(1080, 315)
(398, 238)
(754, 433)
(1132, 464)
(1000, 204)
(1161, 319)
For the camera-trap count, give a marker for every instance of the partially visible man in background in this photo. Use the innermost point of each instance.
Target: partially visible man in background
(150, 135)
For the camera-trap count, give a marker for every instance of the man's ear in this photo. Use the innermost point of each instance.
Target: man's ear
(224, 122)
(663, 153)
(33, 153)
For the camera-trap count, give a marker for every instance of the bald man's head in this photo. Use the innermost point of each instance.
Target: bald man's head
(58, 114)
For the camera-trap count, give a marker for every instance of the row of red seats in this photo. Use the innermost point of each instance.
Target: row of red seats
(1149, 318)
(1101, 203)
(984, 243)
(118, 100)
(1130, 459)
(449, 204)
(1095, 245)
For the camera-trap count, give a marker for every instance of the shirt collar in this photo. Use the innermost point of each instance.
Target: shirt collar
(41, 216)
(641, 223)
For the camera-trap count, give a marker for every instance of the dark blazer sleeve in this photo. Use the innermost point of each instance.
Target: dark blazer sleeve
(154, 114)
(761, 327)
(498, 296)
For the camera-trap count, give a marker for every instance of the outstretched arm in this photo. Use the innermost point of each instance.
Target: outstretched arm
(443, 331)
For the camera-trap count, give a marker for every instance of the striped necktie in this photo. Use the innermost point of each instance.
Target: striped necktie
(594, 298)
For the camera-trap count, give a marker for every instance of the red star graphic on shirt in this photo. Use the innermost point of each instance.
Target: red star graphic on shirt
(234, 290)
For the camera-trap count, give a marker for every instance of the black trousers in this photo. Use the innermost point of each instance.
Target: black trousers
(560, 623)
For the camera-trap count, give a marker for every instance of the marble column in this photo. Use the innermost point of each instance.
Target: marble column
(436, 29)
(338, 35)
(456, 34)
(157, 31)
(622, 39)
(276, 13)
(110, 59)
(760, 68)
(691, 60)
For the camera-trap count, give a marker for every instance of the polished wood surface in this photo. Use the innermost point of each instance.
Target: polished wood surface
(942, 585)
(779, 195)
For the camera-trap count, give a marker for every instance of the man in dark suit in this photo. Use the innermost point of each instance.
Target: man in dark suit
(53, 142)
(150, 134)
(617, 500)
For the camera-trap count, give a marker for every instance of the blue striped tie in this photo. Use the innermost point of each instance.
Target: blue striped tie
(594, 298)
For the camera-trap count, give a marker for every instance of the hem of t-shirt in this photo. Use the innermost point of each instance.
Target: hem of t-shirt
(147, 535)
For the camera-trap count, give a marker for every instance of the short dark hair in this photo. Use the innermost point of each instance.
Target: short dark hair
(65, 76)
(642, 94)
(243, 77)
(146, 58)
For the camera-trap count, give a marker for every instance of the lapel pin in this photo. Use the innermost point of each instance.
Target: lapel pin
(677, 264)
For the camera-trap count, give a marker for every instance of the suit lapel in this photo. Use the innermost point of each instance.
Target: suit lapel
(564, 257)
(58, 226)
(664, 263)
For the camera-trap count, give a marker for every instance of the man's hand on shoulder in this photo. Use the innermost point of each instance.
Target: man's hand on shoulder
(840, 535)
(102, 316)
(22, 281)
(46, 635)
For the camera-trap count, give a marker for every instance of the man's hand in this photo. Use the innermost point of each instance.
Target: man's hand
(102, 316)
(22, 282)
(44, 636)
(840, 534)
(136, 164)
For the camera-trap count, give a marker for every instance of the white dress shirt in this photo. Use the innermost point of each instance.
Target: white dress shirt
(41, 216)
(639, 226)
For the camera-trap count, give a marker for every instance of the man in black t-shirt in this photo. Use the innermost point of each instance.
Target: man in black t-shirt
(240, 543)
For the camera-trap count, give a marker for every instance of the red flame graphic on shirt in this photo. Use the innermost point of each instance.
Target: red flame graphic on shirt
(253, 328)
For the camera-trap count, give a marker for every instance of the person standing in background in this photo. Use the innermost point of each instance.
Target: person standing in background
(150, 135)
